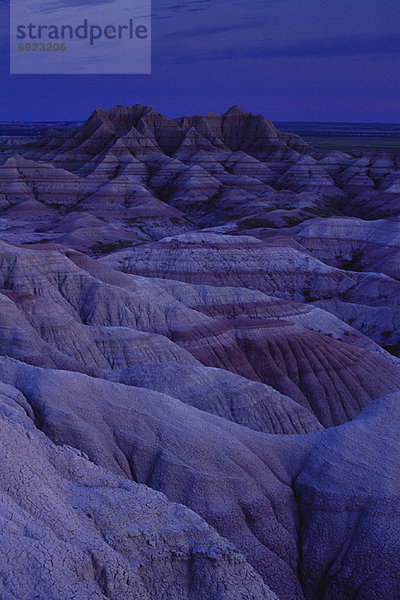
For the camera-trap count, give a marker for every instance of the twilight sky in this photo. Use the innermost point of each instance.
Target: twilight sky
(300, 60)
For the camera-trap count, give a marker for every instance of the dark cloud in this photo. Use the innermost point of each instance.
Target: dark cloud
(157, 6)
(207, 31)
(333, 46)
(162, 12)
(56, 4)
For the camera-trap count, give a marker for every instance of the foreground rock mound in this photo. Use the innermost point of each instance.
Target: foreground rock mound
(309, 512)
(71, 529)
(349, 501)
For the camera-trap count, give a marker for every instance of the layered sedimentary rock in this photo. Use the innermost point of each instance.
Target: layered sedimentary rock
(131, 174)
(276, 267)
(222, 393)
(311, 506)
(79, 314)
(199, 372)
(354, 244)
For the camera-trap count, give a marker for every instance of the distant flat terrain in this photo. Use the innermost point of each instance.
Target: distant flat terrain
(347, 137)
(13, 133)
(32, 129)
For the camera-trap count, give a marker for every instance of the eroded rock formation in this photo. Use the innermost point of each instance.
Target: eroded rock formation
(199, 373)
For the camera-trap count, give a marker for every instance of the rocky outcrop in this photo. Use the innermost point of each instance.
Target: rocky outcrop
(135, 175)
(276, 267)
(354, 244)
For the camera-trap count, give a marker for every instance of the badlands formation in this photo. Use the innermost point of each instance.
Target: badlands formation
(199, 366)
